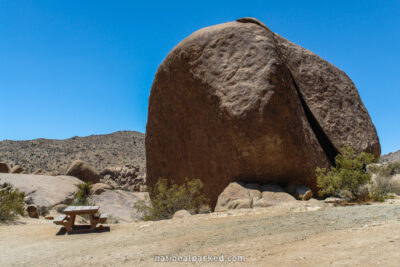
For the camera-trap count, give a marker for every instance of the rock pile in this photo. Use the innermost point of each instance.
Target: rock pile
(129, 177)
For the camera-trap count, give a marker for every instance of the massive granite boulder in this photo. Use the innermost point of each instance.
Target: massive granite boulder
(236, 101)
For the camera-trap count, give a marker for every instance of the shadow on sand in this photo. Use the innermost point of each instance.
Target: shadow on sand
(83, 229)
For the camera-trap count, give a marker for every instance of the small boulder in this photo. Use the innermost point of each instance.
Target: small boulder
(234, 196)
(272, 195)
(181, 214)
(4, 167)
(32, 211)
(83, 171)
(16, 169)
(99, 188)
(303, 192)
(38, 171)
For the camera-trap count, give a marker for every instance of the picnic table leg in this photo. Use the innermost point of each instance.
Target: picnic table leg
(70, 223)
(93, 222)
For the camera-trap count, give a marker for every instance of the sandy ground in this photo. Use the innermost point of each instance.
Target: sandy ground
(301, 235)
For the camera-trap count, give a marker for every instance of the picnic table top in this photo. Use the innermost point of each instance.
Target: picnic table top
(81, 209)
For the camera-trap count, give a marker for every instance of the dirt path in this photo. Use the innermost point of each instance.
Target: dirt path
(356, 235)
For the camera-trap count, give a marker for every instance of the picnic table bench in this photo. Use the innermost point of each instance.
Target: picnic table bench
(68, 218)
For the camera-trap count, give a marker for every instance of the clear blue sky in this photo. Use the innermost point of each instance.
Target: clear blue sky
(86, 67)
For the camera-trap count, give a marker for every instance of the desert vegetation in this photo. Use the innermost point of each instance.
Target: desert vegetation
(351, 178)
(167, 198)
(82, 195)
(11, 203)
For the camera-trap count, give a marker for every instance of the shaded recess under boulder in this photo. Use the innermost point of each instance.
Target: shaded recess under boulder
(236, 101)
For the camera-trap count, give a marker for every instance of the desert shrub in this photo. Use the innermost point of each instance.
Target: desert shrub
(82, 195)
(167, 198)
(11, 203)
(350, 176)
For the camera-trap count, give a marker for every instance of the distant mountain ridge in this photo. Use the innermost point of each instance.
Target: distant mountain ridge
(391, 157)
(100, 151)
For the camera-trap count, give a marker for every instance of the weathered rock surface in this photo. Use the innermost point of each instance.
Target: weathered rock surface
(99, 188)
(119, 203)
(234, 196)
(272, 195)
(4, 168)
(16, 169)
(237, 102)
(238, 195)
(43, 191)
(83, 171)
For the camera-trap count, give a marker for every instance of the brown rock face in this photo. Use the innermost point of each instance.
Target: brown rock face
(83, 171)
(4, 167)
(32, 211)
(237, 102)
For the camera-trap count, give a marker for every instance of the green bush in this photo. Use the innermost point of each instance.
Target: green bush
(11, 203)
(82, 195)
(167, 198)
(350, 176)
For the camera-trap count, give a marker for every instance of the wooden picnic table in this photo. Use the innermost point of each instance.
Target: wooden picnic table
(68, 218)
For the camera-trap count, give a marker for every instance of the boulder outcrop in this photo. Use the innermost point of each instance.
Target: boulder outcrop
(4, 168)
(16, 169)
(83, 171)
(42, 190)
(236, 101)
(120, 204)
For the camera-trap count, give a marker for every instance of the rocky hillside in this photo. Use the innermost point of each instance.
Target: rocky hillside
(100, 151)
(391, 157)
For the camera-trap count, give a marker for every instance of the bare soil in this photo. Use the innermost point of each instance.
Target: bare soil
(302, 234)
